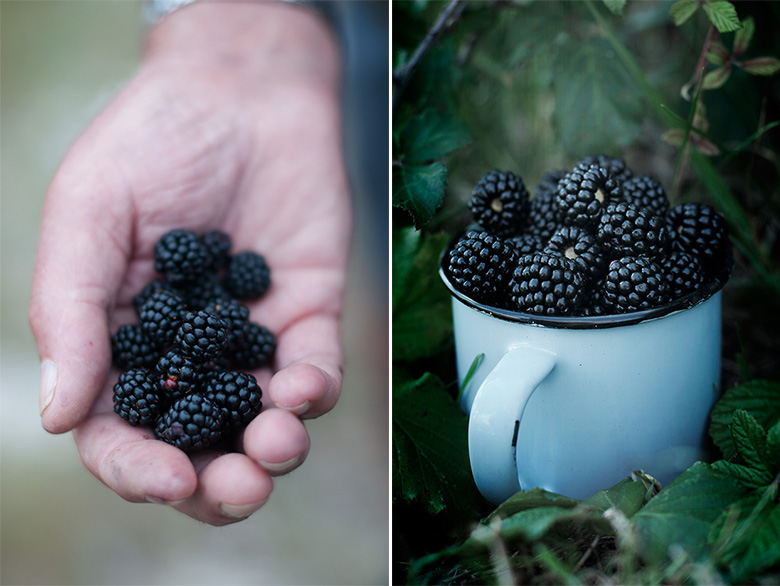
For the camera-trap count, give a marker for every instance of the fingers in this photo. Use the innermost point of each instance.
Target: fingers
(82, 256)
(277, 440)
(309, 381)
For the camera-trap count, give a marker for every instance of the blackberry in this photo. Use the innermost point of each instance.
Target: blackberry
(581, 247)
(161, 316)
(235, 316)
(191, 423)
(131, 347)
(626, 230)
(546, 284)
(204, 291)
(634, 283)
(615, 166)
(498, 202)
(647, 194)
(237, 394)
(136, 399)
(594, 304)
(202, 336)
(256, 349)
(150, 288)
(217, 245)
(683, 273)
(179, 375)
(583, 194)
(526, 243)
(549, 182)
(480, 265)
(248, 275)
(699, 230)
(180, 257)
(544, 216)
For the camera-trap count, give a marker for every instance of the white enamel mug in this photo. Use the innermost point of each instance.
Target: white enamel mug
(574, 405)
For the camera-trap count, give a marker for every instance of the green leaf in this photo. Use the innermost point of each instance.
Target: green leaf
(716, 78)
(596, 107)
(718, 54)
(627, 495)
(682, 513)
(748, 476)
(470, 373)
(759, 398)
(749, 439)
(761, 66)
(419, 190)
(773, 447)
(422, 318)
(758, 552)
(531, 499)
(682, 10)
(430, 136)
(430, 448)
(723, 15)
(615, 6)
(744, 36)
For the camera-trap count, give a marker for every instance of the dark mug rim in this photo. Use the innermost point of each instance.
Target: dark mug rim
(683, 303)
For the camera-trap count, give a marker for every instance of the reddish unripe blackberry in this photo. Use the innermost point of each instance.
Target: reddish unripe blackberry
(179, 375)
(498, 203)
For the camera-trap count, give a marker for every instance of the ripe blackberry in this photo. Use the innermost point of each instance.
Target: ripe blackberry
(546, 284)
(217, 244)
(544, 217)
(237, 394)
(578, 245)
(634, 283)
(180, 257)
(136, 399)
(526, 243)
(647, 194)
(549, 182)
(615, 166)
(256, 349)
(208, 288)
(583, 194)
(179, 375)
(191, 423)
(201, 336)
(131, 347)
(594, 304)
(626, 230)
(161, 316)
(480, 265)
(498, 202)
(248, 275)
(236, 317)
(150, 288)
(699, 230)
(683, 273)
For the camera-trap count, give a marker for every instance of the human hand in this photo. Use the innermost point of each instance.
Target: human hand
(232, 123)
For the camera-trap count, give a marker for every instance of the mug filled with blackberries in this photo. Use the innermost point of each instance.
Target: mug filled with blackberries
(587, 324)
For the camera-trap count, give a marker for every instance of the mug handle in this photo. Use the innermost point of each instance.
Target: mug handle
(495, 419)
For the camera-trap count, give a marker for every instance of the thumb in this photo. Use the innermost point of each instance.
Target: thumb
(82, 256)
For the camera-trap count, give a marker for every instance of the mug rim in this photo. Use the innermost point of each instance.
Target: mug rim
(688, 301)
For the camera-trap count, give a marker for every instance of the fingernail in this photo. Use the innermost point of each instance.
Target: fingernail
(48, 382)
(159, 501)
(239, 511)
(282, 467)
(298, 409)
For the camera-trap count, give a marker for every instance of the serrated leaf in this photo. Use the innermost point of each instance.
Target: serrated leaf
(430, 448)
(718, 54)
(761, 66)
(758, 552)
(682, 10)
(422, 318)
(760, 398)
(746, 475)
(683, 512)
(615, 6)
(419, 189)
(431, 136)
(744, 36)
(723, 15)
(597, 108)
(716, 78)
(749, 438)
(628, 496)
(773, 447)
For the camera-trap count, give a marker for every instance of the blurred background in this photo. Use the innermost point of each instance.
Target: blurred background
(327, 522)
